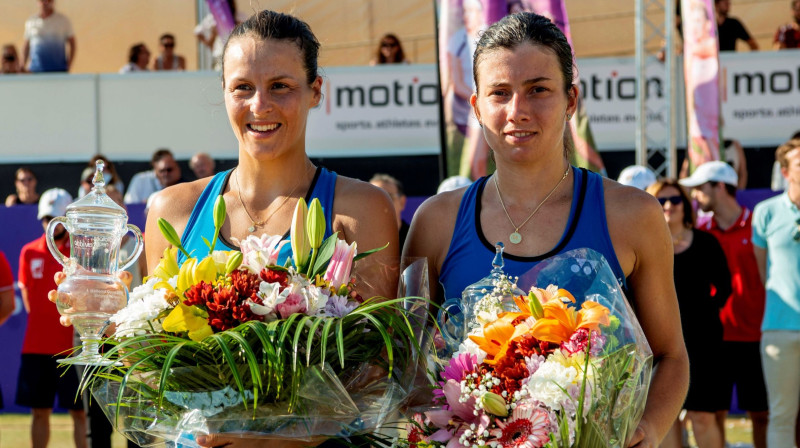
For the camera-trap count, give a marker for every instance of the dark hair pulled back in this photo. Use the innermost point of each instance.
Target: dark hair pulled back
(516, 29)
(275, 25)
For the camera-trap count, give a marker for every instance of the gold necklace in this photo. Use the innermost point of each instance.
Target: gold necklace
(515, 237)
(256, 224)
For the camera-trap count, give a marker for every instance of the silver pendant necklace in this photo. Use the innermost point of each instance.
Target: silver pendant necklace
(515, 237)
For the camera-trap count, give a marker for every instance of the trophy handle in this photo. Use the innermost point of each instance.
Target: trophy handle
(451, 323)
(51, 227)
(139, 246)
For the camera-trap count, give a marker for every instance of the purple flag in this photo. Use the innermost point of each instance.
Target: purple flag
(222, 15)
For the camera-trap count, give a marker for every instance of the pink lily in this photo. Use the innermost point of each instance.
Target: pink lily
(338, 272)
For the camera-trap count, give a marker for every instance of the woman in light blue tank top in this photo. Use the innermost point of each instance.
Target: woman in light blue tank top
(539, 206)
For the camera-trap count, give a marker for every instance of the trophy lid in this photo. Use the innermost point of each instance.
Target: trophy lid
(97, 201)
(495, 277)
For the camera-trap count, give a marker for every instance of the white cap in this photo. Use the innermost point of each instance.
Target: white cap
(54, 203)
(637, 176)
(715, 171)
(453, 183)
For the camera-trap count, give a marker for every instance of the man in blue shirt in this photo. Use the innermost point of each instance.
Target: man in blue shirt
(776, 245)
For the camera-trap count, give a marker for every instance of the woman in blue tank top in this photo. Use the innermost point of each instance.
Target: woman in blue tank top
(539, 206)
(270, 81)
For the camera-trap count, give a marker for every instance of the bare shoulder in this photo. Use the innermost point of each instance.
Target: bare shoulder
(432, 228)
(175, 203)
(635, 220)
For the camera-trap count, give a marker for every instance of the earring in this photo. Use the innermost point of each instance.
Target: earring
(569, 117)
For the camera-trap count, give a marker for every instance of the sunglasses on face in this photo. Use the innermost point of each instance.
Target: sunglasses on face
(9, 58)
(166, 170)
(674, 200)
(389, 44)
(169, 45)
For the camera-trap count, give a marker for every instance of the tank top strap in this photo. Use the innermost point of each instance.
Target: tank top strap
(201, 221)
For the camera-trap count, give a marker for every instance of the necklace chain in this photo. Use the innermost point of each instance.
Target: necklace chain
(515, 237)
(256, 224)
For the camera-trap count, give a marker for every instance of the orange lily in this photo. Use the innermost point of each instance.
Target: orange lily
(560, 321)
(498, 334)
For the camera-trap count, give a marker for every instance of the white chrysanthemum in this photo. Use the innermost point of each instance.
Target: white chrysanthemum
(549, 383)
(139, 316)
(297, 281)
(471, 348)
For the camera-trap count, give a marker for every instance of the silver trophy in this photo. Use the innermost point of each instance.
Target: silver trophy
(92, 292)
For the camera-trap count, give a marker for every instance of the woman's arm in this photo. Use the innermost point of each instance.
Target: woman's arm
(647, 258)
(364, 214)
(430, 234)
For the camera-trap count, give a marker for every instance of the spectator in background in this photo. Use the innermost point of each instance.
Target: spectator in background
(167, 59)
(10, 62)
(25, 183)
(138, 59)
(208, 33)
(788, 36)
(49, 41)
(6, 295)
(453, 183)
(714, 188)
(110, 175)
(145, 183)
(703, 284)
(734, 156)
(776, 245)
(202, 165)
(778, 182)
(637, 176)
(395, 189)
(40, 379)
(389, 51)
(730, 29)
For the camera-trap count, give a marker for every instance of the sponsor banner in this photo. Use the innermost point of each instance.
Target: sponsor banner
(382, 110)
(608, 87)
(701, 74)
(761, 96)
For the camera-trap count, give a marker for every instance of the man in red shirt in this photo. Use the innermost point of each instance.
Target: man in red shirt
(6, 297)
(40, 378)
(714, 188)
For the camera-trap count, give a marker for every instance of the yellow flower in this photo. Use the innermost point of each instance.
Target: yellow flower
(168, 265)
(204, 271)
(560, 321)
(190, 319)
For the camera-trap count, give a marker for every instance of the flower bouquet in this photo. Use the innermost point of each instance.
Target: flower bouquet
(237, 343)
(556, 368)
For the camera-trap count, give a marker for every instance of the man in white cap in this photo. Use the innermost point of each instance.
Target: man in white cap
(637, 176)
(714, 188)
(40, 380)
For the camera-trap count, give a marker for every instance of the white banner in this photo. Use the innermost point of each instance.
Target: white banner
(760, 99)
(376, 111)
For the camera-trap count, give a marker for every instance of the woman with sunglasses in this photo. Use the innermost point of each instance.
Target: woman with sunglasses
(700, 268)
(167, 59)
(25, 184)
(389, 51)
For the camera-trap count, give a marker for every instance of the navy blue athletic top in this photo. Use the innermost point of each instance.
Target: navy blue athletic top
(470, 255)
(201, 222)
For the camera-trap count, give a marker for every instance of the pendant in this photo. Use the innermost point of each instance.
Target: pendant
(515, 237)
(251, 229)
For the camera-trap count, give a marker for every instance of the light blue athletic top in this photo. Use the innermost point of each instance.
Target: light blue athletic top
(469, 258)
(775, 222)
(201, 222)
